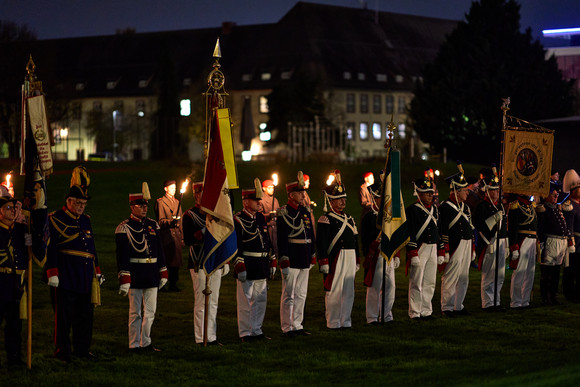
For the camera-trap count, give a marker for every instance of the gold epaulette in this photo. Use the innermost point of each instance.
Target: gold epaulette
(534, 205)
(514, 205)
(567, 206)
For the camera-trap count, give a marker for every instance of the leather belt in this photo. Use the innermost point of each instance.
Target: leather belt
(9, 270)
(254, 254)
(300, 241)
(77, 253)
(143, 260)
(529, 232)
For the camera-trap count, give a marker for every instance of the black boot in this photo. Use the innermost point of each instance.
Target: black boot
(554, 282)
(545, 284)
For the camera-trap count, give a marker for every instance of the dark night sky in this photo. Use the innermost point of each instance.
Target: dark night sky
(72, 18)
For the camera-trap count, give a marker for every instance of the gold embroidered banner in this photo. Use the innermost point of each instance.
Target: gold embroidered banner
(527, 162)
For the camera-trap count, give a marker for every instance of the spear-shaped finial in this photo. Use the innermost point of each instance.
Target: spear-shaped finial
(390, 129)
(217, 52)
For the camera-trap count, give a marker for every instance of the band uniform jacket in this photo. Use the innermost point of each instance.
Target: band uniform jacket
(168, 214)
(193, 234)
(571, 211)
(140, 256)
(483, 211)
(254, 246)
(13, 261)
(522, 222)
(295, 237)
(333, 235)
(551, 222)
(71, 251)
(453, 226)
(422, 223)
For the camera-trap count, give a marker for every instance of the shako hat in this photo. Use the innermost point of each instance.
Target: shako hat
(5, 196)
(335, 190)
(457, 180)
(79, 184)
(197, 186)
(423, 185)
(490, 180)
(296, 186)
(253, 193)
(141, 197)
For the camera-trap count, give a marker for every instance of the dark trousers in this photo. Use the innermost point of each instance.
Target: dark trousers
(549, 282)
(173, 274)
(10, 312)
(571, 279)
(73, 310)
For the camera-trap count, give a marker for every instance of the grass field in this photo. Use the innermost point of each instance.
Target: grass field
(539, 346)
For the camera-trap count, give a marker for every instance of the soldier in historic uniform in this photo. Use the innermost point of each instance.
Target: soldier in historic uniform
(142, 270)
(337, 251)
(375, 265)
(425, 249)
(456, 232)
(71, 265)
(253, 265)
(296, 246)
(571, 210)
(168, 214)
(14, 242)
(555, 244)
(268, 206)
(193, 236)
(489, 217)
(522, 230)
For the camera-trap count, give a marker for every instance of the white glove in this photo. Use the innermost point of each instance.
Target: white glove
(396, 262)
(285, 272)
(497, 216)
(440, 259)
(124, 289)
(473, 255)
(162, 282)
(27, 239)
(491, 248)
(242, 276)
(572, 249)
(53, 281)
(515, 255)
(272, 272)
(225, 270)
(446, 260)
(325, 269)
(101, 279)
(415, 261)
(357, 268)
(311, 266)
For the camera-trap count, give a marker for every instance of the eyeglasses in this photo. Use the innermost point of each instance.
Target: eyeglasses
(80, 203)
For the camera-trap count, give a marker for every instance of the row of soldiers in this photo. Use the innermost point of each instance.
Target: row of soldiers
(440, 238)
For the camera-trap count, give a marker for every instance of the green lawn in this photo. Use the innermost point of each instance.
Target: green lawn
(538, 346)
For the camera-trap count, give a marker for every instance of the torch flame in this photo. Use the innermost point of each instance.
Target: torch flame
(184, 186)
(8, 176)
(330, 179)
(275, 178)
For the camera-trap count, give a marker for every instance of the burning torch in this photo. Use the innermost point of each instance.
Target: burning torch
(181, 192)
(275, 180)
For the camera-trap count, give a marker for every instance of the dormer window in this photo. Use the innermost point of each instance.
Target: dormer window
(361, 76)
(347, 75)
(80, 86)
(266, 76)
(381, 77)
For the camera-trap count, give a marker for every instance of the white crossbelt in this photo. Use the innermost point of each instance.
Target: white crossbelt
(143, 260)
(427, 221)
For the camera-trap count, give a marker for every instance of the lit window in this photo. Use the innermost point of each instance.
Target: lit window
(185, 106)
(265, 136)
(361, 76)
(347, 75)
(364, 103)
(377, 103)
(389, 104)
(364, 131)
(111, 85)
(264, 108)
(401, 130)
(402, 105)
(266, 76)
(246, 77)
(80, 86)
(381, 77)
(376, 130)
(350, 103)
(263, 126)
(143, 83)
(285, 74)
(399, 78)
(247, 155)
(350, 130)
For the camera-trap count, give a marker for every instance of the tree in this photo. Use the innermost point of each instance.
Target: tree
(483, 60)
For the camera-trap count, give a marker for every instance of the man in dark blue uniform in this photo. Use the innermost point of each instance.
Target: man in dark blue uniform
(71, 266)
(142, 270)
(253, 266)
(338, 256)
(296, 247)
(571, 210)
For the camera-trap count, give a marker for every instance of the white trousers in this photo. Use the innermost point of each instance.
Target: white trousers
(422, 278)
(523, 277)
(374, 292)
(556, 252)
(142, 307)
(215, 282)
(455, 278)
(293, 299)
(488, 273)
(252, 297)
(340, 298)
